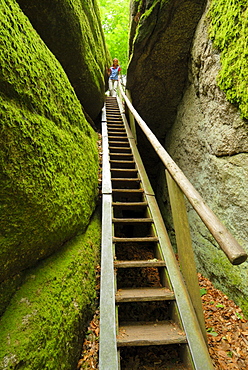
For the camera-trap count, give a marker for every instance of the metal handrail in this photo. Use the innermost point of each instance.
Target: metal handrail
(229, 245)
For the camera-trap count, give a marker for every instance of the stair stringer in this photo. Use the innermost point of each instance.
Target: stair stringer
(196, 342)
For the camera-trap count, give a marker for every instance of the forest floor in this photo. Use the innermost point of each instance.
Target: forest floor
(227, 331)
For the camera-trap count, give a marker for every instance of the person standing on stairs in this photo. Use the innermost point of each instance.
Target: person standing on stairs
(113, 73)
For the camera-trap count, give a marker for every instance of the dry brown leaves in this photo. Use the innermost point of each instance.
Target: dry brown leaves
(89, 359)
(226, 327)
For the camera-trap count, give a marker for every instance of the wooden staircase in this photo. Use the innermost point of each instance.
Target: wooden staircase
(144, 301)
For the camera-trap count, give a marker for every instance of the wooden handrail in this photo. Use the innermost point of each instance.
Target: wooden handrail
(233, 250)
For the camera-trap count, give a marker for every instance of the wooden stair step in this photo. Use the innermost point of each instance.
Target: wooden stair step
(127, 190)
(132, 220)
(139, 263)
(130, 204)
(120, 147)
(153, 239)
(126, 179)
(121, 155)
(116, 135)
(119, 142)
(115, 124)
(123, 170)
(144, 294)
(121, 161)
(149, 334)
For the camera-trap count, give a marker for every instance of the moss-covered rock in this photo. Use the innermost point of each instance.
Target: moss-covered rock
(48, 152)
(42, 327)
(72, 30)
(229, 24)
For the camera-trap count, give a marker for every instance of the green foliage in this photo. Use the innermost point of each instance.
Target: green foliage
(203, 291)
(229, 28)
(115, 21)
(43, 326)
(212, 332)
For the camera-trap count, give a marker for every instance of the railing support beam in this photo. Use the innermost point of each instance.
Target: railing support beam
(184, 248)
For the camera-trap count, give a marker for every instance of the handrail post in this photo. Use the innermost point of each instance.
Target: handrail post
(184, 247)
(131, 118)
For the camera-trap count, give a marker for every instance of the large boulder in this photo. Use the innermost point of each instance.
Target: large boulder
(209, 142)
(157, 71)
(175, 77)
(48, 151)
(72, 31)
(42, 328)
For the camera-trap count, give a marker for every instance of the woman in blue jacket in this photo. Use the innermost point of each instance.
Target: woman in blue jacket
(113, 73)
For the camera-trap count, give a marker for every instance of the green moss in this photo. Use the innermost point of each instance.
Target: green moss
(42, 327)
(48, 151)
(72, 30)
(229, 24)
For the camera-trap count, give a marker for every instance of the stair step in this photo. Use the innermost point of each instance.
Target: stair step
(119, 142)
(132, 220)
(139, 263)
(148, 334)
(119, 147)
(153, 239)
(144, 294)
(125, 179)
(124, 170)
(130, 204)
(127, 190)
(122, 162)
(117, 137)
(121, 155)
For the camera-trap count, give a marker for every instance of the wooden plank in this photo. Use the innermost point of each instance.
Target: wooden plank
(128, 191)
(132, 220)
(107, 342)
(144, 294)
(185, 250)
(120, 155)
(130, 204)
(147, 334)
(135, 240)
(128, 170)
(139, 263)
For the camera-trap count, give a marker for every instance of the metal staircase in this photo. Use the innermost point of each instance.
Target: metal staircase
(143, 300)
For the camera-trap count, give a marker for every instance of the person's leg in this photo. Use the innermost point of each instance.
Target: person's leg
(115, 84)
(111, 87)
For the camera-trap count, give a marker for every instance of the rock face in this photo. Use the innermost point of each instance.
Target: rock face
(48, 186)
(73, 32)
(43, 326)
(177, 94)
(209, 142)
(157, 70)
(48, 156)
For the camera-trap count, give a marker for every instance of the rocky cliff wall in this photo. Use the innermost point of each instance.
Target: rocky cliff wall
(48, 192)
(175, 76)
(209, 142)
(157, 71)
(72, 31)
